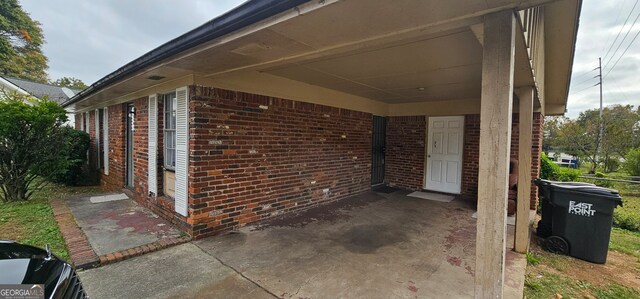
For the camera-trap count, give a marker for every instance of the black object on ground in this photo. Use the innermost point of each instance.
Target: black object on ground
(577, 219)
(385, 189)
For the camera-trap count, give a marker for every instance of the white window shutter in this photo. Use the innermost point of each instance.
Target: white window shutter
(105, 140)
(87, 119)
(153, 146)
(82, 123)
(182, 150)
(97, 118)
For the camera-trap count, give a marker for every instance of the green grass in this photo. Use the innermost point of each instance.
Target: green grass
(547, 285)
(554, 275)
(628, 216)
(625, 241)
(32, 222)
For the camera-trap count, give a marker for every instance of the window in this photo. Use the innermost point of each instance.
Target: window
(169, 131)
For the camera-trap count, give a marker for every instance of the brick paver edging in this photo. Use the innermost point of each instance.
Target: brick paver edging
(142, 249)
(80, 251)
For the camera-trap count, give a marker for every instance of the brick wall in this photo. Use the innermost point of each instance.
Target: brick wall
(471, 153)
(117, 125)
(253, 157)
(404, 157)
(536, 150)
(141, 148)
(470, 156)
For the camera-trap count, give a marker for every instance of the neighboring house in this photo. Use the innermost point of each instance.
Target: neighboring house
(281, 105)
(39, 90)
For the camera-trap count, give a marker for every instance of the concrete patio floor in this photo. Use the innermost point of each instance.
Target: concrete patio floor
(369, 246)
(112, 224)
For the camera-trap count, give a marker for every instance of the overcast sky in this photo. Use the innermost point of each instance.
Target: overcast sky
(89, 39)
(600, 23)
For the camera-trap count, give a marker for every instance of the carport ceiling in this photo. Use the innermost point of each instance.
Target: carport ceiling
(402, 51)
(447, 66)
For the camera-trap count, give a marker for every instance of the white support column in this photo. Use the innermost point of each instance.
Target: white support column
(495, 141)
(525, 127)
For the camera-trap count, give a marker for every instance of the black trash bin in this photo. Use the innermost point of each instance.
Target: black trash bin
(546, 210)
(581, 219)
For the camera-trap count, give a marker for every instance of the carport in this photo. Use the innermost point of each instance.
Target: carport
(349, 61)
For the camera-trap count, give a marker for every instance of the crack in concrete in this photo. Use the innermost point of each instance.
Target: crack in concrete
(239, 273)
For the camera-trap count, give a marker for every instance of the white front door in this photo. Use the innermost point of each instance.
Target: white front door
(444, 154)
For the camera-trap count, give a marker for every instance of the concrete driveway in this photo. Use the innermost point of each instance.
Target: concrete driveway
(370, 246)
(182, 271)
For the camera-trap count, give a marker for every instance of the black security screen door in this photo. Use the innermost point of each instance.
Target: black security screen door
(377, 149)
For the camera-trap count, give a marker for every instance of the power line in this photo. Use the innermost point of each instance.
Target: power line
(621, 28)
(622, 55)
(581, 90)
(621, 8)
(584, 74)
(618, 88)
(584, 81)
(622, 41)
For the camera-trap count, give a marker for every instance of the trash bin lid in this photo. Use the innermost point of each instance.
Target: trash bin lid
(589, 190)
(543, 182)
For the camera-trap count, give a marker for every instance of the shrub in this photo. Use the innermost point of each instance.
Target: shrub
(547, 167)
(602, 183)
(626, 220)
(551, 171)
(566, 174)
(76, 144)
(30, 144)
(632, 162)
(611, 164)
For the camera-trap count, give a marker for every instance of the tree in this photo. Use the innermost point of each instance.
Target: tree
(21, 41)
(552, 125)
(31, 144)
(579, 137)
(69, 82)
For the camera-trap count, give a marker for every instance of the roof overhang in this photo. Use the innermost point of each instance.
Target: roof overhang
(361, 56)
(7, 86)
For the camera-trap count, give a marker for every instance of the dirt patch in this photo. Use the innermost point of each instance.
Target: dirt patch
(12, 229)
(620, 268)
(331, 212)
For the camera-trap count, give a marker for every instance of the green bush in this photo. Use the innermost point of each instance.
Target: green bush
(548, 169)
(30, 144)
(602, 183)
(632, 162)
(566, 174)
(611, 164)
(626, 220)
(551, 171)
(76, 144)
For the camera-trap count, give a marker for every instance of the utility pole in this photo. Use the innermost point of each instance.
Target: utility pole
(600, 123)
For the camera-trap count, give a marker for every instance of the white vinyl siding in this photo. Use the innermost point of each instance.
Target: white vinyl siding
(182, 150)
(105, 140)
(153, 146)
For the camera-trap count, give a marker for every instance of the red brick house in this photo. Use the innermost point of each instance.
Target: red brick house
(280, 105)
